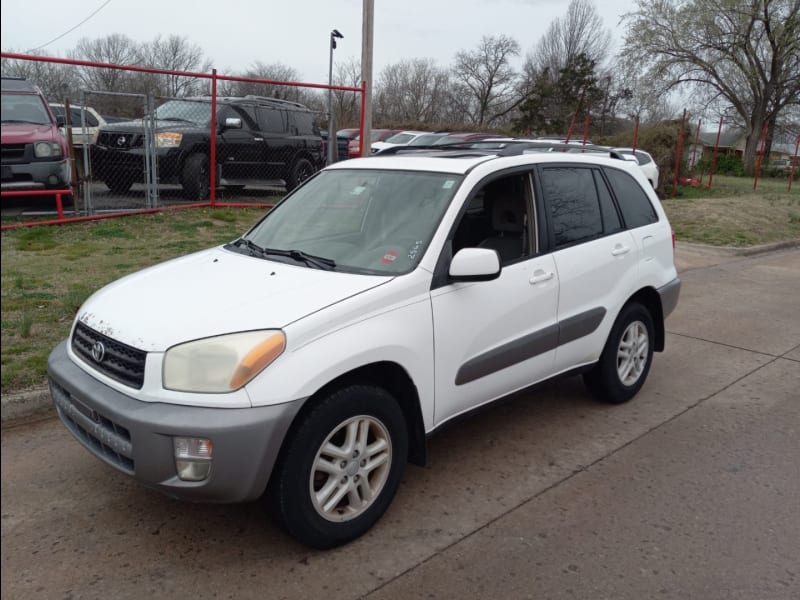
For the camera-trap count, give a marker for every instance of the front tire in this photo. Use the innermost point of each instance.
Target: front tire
(195, 178)
(341, 467)
(625, 362)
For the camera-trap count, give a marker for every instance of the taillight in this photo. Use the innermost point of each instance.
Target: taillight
(673, 239)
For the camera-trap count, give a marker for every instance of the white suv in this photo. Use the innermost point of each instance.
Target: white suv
(311, 357)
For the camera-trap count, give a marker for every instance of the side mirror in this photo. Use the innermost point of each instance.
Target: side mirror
(231, 123)
(475, 264)
(60, 121)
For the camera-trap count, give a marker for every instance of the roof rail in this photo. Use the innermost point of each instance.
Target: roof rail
(275, 101)
(503, 148)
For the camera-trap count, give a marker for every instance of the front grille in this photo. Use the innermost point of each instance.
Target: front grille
(120, 141)
(12, 153)
(119, 361)
(100, 434)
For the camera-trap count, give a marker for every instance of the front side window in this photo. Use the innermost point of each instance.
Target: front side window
(573, 204)
(366, 221)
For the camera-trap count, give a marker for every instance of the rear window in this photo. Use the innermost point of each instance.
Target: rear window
(632, 199)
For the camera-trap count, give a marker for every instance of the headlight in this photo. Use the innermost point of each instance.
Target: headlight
(46, 150)
(168, 139)
(223, 363)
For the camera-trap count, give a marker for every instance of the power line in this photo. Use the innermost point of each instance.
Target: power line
(55, 39)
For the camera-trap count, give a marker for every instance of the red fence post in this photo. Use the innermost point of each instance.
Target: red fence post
(714, 156)
(761, 152)
(213, 142)
(696, 140)
(635, 132)
(585, 131)
(793, 160)
(575, 116)
(678, 155)
(362, 117)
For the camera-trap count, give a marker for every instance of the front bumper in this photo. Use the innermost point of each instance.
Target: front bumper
(135, 437)
(36, 175)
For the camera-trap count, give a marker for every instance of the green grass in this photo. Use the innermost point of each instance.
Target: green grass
(48, 272)
(733, 214)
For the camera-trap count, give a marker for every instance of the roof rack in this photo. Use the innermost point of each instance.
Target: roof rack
(502, 148)
(275, 101)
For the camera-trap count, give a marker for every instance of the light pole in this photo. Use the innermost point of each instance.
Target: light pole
(332, 141)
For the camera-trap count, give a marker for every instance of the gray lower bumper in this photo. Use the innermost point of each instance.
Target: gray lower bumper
(135, 437)
(669, 296)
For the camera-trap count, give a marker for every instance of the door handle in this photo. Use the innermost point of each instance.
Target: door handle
(539, 276)
(619, 250)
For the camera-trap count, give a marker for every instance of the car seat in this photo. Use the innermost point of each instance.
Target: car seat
(508, 222)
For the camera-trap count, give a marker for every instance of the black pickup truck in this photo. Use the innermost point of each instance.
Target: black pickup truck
(259, 140)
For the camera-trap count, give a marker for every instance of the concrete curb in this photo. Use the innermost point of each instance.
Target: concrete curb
(36, 403)
(24, 406)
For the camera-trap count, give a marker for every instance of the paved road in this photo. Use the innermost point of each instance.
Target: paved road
(691, 491)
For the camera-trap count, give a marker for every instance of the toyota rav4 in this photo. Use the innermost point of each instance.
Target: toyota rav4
(311, 357)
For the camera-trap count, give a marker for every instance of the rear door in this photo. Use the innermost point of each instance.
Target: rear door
(595, 257)
(277, 147)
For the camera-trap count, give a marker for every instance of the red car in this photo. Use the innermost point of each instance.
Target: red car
(378, 135)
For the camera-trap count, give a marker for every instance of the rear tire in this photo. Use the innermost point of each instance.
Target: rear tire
(195, 177)
(341, 467)
(625, 362)
(301, 170)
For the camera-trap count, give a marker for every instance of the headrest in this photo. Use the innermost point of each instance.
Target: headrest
(508, 214)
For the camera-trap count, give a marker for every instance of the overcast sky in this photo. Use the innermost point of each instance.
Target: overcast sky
(236, 33)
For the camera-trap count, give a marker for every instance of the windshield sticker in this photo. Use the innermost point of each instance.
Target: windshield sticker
(448, 184)
(358, 190)
(412, 254)
(389, 257)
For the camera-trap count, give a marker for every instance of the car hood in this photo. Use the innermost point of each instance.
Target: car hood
(214, 292)
(138, 125)
(28, 133)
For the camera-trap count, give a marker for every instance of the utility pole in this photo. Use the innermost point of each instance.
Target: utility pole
(332, 141)
(368, 20)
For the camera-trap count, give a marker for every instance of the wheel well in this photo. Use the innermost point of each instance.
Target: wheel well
(650, 299)
(395, 380)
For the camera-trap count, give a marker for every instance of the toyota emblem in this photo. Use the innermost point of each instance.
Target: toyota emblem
(121, 140)
(98, 351)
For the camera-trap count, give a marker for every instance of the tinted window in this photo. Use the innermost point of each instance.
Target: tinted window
(633, 202)
(573, 205)
(271, 120)
(91, 121)
(304, 121)
(611, 220)
(237, 112)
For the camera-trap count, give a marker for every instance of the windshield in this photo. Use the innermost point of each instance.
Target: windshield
(185, 110)
(400, 138)
(365, 221)
(25, 108)
(427, 139)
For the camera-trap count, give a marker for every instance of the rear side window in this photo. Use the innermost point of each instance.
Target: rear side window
(632, 199)
(572, 203)
(304, 121)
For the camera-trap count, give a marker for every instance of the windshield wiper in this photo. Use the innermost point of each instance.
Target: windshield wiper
(319, 262)
(255, 249)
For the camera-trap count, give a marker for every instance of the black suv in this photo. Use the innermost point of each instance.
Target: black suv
(259, 140)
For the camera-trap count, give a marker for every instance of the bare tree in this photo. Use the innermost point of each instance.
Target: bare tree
(347, 105)
(485, 82)
(57, 81)
(580, 31)
(411, 91)
(175, 53)
(117, 49)
(746, 54)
